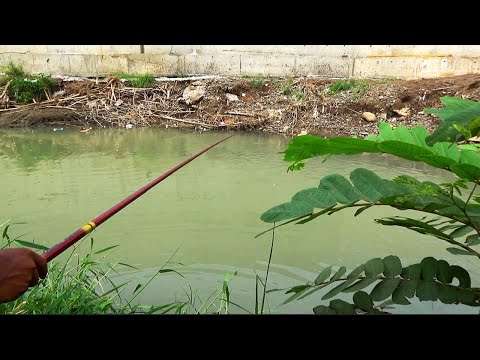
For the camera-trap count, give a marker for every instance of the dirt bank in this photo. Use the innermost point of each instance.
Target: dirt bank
(277, 105)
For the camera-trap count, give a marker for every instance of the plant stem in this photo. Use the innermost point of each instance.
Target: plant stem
(268, 269)
(324, 284)
(332, 210)
(464, 209)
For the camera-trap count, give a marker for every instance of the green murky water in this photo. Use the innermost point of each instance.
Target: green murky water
(51, 183)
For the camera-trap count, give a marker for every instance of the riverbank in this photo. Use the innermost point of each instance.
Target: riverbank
(288, 106)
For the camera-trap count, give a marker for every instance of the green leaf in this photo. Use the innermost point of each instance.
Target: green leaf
(427, 291)
(362, 209)
(369, 184)
(386, 132)
(356, 272)
(462, 275)
(323, 310)
(404, 150)
(473, 240)
(161, 271)
(137, 288)
(444, 273)
(461, 231)
(392, 266)
(410, 287)
(453, 105)
(105, 249)
(315, 197)
(128, 265)
(457, 251)
(373, 267)
(412, 272)
(474, 125)
(467, 134)
(408, 144)
(297, 289)
(304, 147)
(360, 284)
(384, 289)
(415, 225)
(296, 166)
(31, 245)
(341, 189)
(286, 211)
(447, 294)
(466, 171)
(429, 268)
(458, 113)
(310, 292)
(5, 231)
(465, 296)
(324, 275)
(338, 289)
(363, 301)
(339, 273)
(406, 289)
(342, 307)
(299, 294)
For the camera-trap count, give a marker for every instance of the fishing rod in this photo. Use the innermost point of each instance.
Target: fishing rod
(56, 250)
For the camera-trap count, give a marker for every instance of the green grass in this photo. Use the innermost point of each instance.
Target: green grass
(286, 88)
(79, 286)
(356, 87)
(25, 87)
(387, 80)
(299, 95)
(138, 81)
(257, 82)
(84, 285)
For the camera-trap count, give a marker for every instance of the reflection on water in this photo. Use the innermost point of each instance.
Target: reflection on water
(54, 182)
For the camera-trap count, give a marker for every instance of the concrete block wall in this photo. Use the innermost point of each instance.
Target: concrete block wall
(332, 61)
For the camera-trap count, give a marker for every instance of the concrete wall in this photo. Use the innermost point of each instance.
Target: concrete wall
(358, 61)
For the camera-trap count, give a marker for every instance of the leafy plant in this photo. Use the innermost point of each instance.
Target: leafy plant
(257, 81)
(14, 70)
(299, 95)
(286, 88)
(24, 87)
(429, 280)
(449, 214)
(461, 120)
(356, 87)
(138, 81)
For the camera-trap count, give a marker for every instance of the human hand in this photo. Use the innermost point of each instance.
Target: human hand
(20, 268)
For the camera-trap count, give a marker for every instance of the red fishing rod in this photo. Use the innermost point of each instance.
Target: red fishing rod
(56, 250)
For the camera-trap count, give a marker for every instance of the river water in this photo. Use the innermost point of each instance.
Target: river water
(53, 182)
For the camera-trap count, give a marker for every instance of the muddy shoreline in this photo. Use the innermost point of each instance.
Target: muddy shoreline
(288, 106)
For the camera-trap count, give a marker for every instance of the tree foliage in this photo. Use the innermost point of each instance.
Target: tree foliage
(449, 211)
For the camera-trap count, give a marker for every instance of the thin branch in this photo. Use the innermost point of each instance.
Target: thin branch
(241, 113)
(471, 223)
(184, 121)
(470, 196)
(331, 211)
